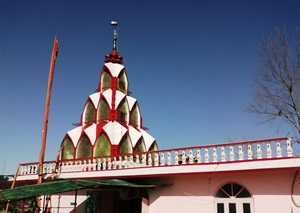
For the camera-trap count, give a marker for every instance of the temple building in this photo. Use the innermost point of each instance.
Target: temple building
(111, 123)
(109, 164)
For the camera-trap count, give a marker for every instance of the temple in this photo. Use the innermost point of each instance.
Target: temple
(109, 164)
(111, 122)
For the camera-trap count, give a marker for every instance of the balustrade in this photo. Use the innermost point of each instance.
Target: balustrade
(229, 152)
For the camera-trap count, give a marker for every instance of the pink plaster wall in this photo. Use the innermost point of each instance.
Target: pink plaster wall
(271, 191)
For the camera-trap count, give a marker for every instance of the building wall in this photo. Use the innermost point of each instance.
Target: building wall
(65, 202)
(270, 190)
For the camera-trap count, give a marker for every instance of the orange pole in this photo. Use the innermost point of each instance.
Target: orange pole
(12, 186)
(46, 114)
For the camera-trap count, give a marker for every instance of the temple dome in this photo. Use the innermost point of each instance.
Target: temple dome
(111, 122)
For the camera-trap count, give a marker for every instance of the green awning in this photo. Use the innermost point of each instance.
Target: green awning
(59, 186)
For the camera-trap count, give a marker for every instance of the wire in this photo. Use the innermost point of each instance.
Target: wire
(292, 190)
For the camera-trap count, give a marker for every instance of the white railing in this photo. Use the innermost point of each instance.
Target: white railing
(229, 152)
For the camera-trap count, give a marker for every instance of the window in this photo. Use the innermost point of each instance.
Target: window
(122, 116)
(125, 145)
(102, 146)
(105, 80)
(67, 151)
(233, 198)
(123, 84)
(140, 146)
(84, 148)
(135, 116)
(89, 113)
(153, 147)
(123, 111)
(103, 110)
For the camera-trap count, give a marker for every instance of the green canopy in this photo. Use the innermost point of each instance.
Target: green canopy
(59, 186)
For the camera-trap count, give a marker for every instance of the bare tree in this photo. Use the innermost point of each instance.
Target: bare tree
(277, 86)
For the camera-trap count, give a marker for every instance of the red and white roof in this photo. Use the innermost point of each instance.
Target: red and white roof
(110, 117)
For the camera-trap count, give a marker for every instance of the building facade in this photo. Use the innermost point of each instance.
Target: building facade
(110, 143)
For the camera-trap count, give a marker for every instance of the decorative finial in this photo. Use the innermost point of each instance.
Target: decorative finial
(114, 57)
(115, 24)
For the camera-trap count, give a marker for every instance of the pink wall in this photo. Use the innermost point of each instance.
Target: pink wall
(271, 191)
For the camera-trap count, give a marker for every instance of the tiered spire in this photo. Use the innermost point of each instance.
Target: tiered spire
(111, 122)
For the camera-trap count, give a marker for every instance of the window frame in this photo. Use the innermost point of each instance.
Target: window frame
(238, 201)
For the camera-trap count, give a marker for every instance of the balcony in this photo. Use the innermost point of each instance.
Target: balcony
(169, 161)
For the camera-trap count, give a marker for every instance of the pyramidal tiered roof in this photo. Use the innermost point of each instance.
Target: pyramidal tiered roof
(111, 122)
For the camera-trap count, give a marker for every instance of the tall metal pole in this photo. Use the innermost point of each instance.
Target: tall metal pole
(46, 114)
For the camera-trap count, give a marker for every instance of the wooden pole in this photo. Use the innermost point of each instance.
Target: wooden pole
(12, 186)
(46, 114)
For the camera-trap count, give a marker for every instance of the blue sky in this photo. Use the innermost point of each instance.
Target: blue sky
(190, 65)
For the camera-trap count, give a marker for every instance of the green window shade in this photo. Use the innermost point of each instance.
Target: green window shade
(125, 145)
(103, 110)
(67, 151)
(140, 146)
(102, 146)
(135, 116)
(84, 148)
(123, 84)
(105, 80)
(153, 147)
(123, 111)
(89, 113)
